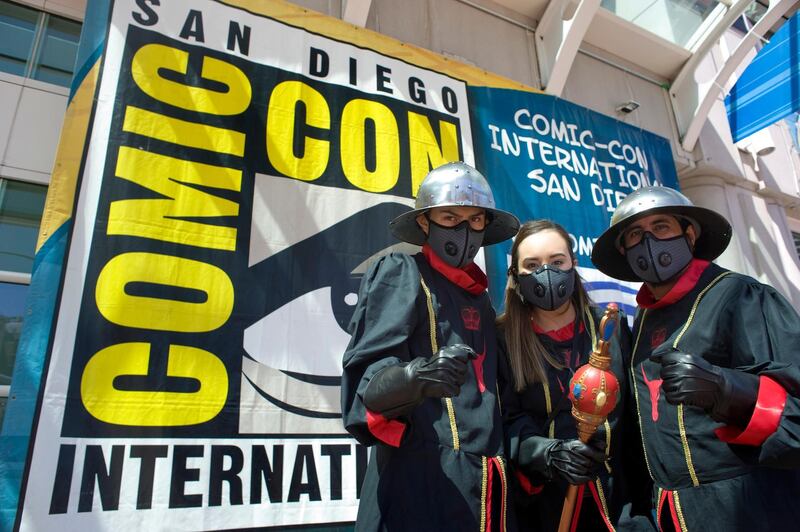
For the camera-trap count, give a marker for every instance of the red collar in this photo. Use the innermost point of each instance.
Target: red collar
(558, 335)
(684, 285)
(471, 278)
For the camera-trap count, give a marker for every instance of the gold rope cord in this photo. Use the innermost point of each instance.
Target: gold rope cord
(548, 404)
(590, 320)
(681, 426)
(484, 461)
(451, 411)
(607, 426)
(602, 495)
(505, 490)
(679, 511)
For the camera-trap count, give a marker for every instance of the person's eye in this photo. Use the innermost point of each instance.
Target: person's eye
(557, 262)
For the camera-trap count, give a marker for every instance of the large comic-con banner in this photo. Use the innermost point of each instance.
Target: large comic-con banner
(237, 168)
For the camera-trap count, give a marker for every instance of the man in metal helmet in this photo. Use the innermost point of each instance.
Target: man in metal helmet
(714, 367)
(419, 380)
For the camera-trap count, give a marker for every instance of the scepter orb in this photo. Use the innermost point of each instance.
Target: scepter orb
(594, 388)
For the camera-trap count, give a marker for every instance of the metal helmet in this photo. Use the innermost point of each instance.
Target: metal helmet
(713, 230)
(449, 185)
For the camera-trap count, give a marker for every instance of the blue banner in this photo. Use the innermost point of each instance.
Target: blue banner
(548, 158)
(768, 88)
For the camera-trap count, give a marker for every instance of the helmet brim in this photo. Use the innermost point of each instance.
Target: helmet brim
(715, 235)
(503, 226)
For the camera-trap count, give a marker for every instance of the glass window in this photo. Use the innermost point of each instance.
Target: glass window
(797, 243)
(57, 50)
(17, 32)
(674, 20)
(21, 206)
(12, 310)
(37, 45)
(3, 402)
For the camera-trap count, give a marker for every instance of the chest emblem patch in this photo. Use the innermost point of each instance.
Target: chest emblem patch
(472, 318)
(654, 386)
(658, 337)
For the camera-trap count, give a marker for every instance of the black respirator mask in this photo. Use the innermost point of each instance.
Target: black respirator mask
(548, 288)
(656, 261)
(456, 245)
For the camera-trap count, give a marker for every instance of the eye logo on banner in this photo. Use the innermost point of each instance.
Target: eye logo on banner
(239, 177)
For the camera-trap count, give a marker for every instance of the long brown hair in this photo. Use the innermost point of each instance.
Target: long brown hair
(527, 355)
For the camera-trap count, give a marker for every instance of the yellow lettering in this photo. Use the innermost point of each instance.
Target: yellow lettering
(281, 133)
(150, 59)
(159, 219)
(425, 152)
(153, 408)
(157, 313)
(387, 146)
(183, 133)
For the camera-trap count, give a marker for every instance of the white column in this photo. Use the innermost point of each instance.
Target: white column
(761, 245)
(711, 193)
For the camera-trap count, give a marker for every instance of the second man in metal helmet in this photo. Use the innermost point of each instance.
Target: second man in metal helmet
(654, 234)
(715, 369)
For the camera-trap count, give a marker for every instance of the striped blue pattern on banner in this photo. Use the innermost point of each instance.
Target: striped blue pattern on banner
(769, 89)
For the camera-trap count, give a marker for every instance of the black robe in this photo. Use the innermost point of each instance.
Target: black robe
(702, 480)
(546, 411)
(423, 475)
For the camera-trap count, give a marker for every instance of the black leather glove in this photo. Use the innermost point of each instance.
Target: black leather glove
(571, 460)
(728, 395)
(396, 390)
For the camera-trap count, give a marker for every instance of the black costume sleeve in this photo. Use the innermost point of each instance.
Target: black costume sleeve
(382, 323)
(517, 425)
(765, 340)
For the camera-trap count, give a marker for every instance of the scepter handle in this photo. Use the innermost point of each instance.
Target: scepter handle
(571, 497)
(568, 509)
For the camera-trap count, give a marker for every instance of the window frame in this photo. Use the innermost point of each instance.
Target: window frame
(12, 278)
(32, 61)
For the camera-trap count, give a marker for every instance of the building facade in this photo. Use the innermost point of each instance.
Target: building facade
(649, 66)
(38, 44)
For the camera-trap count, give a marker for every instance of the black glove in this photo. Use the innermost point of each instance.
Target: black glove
(396, 390)
(571, 460)
(728, 395)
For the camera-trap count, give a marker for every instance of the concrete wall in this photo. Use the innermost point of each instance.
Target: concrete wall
(30, 125)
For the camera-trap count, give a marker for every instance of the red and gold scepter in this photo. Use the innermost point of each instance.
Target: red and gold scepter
(593, 391)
